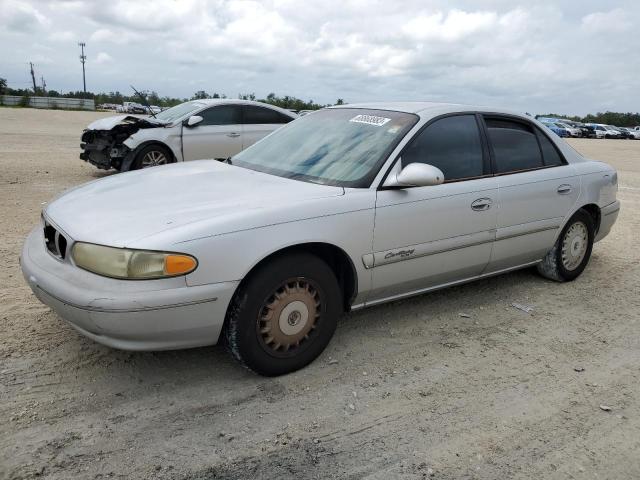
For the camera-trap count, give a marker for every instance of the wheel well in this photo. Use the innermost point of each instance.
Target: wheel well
(131, 157)
(154, 142)
(335, 257)
(593, 210)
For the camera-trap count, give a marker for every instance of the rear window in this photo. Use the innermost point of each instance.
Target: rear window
(515, 146)
(262, 115)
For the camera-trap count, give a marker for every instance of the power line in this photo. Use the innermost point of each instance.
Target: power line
(83, 58)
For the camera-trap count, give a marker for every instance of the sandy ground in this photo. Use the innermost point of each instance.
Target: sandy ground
(407, 390)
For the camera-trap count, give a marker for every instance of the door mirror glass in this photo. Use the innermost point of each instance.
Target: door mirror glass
(416, 175)
(193, 120)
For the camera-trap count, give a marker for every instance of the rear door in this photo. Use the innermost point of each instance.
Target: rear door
(259, 122)
(428, 236)
(218, 136)
(537, 189)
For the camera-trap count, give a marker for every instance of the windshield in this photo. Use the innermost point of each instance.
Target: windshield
(343, 146)
(174, 113)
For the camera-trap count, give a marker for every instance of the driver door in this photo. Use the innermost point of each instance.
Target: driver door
(217, 136)
(429, 236)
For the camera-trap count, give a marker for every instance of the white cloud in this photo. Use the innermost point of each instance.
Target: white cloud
(20, 16)
(616, 20)
(540, 56)
(103, 58)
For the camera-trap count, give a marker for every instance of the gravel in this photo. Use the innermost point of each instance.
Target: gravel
(441, 397)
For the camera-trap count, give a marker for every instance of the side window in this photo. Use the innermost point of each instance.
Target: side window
(452, 144)
(550, 154)
(515, 146)
(254, 115)
(221, 115)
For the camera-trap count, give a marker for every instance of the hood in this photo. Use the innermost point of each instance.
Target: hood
(215, 196)
(109, 122)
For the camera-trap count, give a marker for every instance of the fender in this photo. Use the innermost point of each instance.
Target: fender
(127, 161)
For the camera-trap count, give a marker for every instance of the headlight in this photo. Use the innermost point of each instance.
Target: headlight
(131, 264)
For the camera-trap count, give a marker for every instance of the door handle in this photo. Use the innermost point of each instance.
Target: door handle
(481, 204)
(564, 189)
(233, 135)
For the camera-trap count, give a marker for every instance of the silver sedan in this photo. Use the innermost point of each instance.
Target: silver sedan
(344, 208)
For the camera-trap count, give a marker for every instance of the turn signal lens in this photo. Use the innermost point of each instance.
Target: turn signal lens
(131, 264)
(179, 264)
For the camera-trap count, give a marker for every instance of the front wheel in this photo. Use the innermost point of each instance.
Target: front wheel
(570, 255)
(284, 314)
(152, 156)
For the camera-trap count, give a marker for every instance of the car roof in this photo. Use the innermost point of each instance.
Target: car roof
(429, 108)
(237, 101)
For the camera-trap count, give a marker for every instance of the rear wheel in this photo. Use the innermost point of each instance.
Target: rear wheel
(152, 156)
(570, 255)
(284, 315)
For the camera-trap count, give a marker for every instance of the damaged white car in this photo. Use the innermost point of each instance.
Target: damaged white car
(200, 129)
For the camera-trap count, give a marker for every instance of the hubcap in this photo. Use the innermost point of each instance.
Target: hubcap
(574, 245)
(289, 316)
(153, 159)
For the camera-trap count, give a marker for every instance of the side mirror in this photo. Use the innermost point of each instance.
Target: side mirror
(193, 120)
(415, 175)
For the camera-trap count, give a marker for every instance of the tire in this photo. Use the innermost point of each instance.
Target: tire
(151, 156)
(284, 315)
(570, 255)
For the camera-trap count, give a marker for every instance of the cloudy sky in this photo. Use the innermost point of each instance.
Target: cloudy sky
(563, 56)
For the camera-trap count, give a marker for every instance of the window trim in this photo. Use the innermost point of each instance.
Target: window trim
(486, 162)
(536, 132)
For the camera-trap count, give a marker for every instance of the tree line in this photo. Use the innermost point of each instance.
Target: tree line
(152, 97)
(609, 118)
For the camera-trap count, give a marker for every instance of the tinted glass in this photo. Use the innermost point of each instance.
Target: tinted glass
(222, 115)
(452, 144)
(262, 115)
(550, 153)
(515, 146)
(341, 146)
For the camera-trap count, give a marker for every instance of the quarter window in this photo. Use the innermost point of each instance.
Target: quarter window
(550, 153)
(515, 146)
(221, 115)
(452, 144)
(261, 115)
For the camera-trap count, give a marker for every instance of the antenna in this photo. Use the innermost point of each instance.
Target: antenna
(83, 58)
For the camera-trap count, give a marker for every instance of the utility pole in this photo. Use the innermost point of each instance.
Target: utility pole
(44, 86)
(83, 57)
(33, 77)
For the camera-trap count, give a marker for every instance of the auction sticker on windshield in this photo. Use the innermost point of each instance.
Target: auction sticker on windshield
(370, 120)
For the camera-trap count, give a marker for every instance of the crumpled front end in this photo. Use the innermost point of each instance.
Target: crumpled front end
(102, 143)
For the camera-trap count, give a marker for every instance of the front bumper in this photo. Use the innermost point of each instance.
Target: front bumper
(126, 314)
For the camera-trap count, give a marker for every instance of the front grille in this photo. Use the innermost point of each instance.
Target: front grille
(55, 241)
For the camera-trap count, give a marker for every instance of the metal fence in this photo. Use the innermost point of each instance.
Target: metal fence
(49, 102)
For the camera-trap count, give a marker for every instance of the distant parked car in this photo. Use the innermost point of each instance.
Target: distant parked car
(633, 134)
(573, 131)
(200, 129)
(605, 131)
(560, 131)
(588, 131)
(624, 133)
